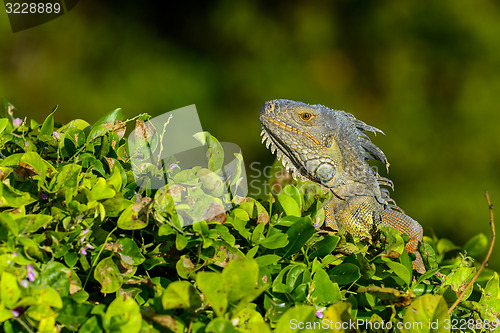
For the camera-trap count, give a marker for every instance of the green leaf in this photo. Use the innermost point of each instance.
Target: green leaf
(294, 320)
(73, 314)
(236, 285)
(108, 275)
(324, 246)
(130, 219)
(240, 226)
(241, 214)
(56, 275)
(425, 310)
(4, 122)
(214, 290)
(394, 240)
(476, 245)
(49, 297)
(224, 233)
(32, 222)
(325, 291)
(345, 273)
(220, 325)
(278, 285)
(6, 314)
(113, 116)
(268, 259)
(181, 241)
(40, 166)
(9, 290)
(294, 193)
(240, 278)
(123, 315)
(92, 325)
(339, 314)
(215, 153)
(96, 131)
(78, 124)
(71, 258)
(8, 221)
(289, 204)
(257, 235)
(489, 304)
(48, 125)
(298, 234)
(180, 295)
(458, 278)
(445, 245)
(399, 269)
(129, 251)
(275, 241)
(116, 179)
(293, 275)
(10, 197)
(101, 190)
(185, 267)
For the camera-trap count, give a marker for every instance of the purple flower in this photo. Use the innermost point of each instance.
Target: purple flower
(56, 135)
(15, 254)
(319, 312)
(24, 283)
(316, 225)
(84, 249)
(17, 311)
(172, 166)
(17, 122)
(31, 273)
(44, 196)
(83, 233)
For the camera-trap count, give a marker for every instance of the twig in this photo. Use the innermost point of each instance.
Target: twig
(485, 262)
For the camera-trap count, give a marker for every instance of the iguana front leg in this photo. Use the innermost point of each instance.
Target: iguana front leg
(406, 225)
(358, 216)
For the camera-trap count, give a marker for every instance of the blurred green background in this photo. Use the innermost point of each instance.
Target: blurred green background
(426, 73)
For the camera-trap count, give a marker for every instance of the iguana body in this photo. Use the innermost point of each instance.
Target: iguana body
(330, 148)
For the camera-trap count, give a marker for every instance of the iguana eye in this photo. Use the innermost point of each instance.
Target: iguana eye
(306, 116)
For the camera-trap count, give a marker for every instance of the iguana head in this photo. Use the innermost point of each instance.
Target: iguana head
(324, 145)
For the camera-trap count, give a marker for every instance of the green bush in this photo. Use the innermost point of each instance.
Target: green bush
(83, 248)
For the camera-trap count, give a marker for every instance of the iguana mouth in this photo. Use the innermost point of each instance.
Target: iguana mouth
(283, 153)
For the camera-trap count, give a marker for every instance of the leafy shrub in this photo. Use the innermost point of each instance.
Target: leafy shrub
(83, 248)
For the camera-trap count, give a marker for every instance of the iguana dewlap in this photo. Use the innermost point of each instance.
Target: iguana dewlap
(330, 148)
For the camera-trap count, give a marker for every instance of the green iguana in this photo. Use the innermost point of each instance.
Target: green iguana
(330, 148)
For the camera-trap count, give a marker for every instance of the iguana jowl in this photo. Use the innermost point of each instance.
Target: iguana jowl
(330, 148)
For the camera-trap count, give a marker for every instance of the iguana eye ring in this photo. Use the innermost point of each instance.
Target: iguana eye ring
(306, 116)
